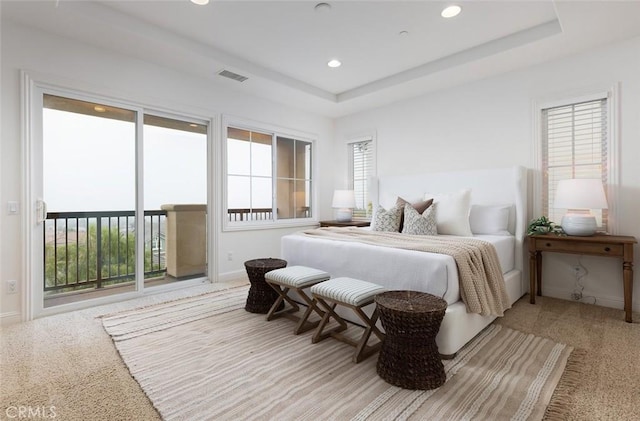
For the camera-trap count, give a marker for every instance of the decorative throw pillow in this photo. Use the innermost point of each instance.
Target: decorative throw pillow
(417, 224)
(386, 220)
(452, 214)
(490, 219)
(419, 206)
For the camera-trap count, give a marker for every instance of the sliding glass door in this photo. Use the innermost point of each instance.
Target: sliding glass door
(120, 199)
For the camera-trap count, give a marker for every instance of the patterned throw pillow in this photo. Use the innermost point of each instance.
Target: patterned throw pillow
(420, 206)
(417, 224)
(386, 220)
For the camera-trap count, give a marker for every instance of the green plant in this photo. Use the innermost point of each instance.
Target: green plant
(543, 225)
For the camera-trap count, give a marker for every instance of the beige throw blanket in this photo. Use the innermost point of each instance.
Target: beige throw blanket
(482, 286)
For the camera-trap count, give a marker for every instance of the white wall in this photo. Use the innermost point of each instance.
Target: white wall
(489, 123)
(79, 66)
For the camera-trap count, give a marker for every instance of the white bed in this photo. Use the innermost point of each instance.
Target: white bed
(429, 272)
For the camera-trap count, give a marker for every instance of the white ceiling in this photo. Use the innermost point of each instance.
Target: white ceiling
(283, 46)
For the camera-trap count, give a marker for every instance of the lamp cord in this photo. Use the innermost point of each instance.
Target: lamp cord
(580, 272)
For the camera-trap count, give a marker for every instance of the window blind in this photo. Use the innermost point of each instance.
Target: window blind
(574, 145)
(361, 159)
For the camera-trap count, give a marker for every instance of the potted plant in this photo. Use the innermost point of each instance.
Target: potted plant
(543, 225)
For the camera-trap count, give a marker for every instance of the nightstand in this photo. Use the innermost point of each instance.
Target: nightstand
(620, 246)
(345, 224)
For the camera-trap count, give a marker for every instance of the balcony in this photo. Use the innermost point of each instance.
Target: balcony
(92, 254)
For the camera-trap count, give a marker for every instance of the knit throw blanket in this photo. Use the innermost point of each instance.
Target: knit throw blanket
(482, 286)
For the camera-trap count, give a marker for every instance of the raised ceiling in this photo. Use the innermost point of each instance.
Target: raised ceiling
(282, 47)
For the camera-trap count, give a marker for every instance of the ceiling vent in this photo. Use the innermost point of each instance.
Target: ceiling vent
(231, 75)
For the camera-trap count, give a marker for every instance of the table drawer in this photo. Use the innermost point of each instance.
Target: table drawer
(603, 249)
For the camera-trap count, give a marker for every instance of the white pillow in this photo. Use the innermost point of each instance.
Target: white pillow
(490, 219)
(452, 212)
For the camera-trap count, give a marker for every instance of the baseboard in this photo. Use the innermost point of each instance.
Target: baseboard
(607, 301)
(232, 276)
(10, 317)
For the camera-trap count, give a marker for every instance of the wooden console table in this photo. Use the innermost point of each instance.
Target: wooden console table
(620, 246)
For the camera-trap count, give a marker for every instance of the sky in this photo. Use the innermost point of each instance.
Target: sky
(89, 164)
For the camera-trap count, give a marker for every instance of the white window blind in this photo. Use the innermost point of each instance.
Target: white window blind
(361, 166)
(574, 145)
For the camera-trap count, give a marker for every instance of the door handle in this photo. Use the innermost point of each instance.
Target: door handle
(41, 211)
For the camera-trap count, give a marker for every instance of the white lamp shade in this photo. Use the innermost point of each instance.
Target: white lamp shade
(580, 193)
(344, 199)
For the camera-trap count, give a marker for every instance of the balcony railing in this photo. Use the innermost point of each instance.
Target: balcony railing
(97, 249)
(250, 214)
(85, 249)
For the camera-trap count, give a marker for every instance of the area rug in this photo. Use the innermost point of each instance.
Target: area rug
(206, 358)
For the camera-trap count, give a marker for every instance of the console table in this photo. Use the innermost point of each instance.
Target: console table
(620, 246)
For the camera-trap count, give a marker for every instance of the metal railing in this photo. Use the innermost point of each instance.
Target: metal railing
(84, 249)
(97, 249)
(250, 214)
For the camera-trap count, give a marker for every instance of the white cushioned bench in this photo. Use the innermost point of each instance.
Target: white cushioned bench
(296, 278)
(354, 294)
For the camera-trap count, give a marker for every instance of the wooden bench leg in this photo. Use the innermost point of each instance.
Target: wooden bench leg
(282, 296)
(362, 350)
(319, 335)
(303, 323)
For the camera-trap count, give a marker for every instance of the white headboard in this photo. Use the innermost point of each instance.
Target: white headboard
(488, 187)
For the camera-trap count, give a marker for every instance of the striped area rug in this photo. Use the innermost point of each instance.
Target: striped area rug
(205, 358)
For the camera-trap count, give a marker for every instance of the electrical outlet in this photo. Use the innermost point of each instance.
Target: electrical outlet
(230, 256)
(12, 286)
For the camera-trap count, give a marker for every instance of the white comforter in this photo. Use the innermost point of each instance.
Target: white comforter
(392, 268)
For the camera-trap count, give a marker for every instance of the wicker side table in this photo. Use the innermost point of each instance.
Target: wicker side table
(261, 295)
(409, 356)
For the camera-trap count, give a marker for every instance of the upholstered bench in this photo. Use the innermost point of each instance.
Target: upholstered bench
(296, 278)
(355, 294)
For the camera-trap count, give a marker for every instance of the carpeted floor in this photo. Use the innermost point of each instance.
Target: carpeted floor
(67, 364)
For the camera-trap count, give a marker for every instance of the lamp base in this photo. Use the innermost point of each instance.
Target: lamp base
(582, 225)
(344, 215)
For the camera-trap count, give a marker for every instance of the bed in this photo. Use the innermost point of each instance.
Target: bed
(489, 193)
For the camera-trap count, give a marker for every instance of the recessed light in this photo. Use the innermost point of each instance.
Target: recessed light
(200, 2)
(403, 33)
(334, 63)
(451, 11)
(99, 109)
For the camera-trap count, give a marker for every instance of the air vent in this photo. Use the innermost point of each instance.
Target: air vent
(231, 75)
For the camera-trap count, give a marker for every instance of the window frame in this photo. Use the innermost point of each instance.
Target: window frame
(275, 132)
(363, 137)
(611, 93)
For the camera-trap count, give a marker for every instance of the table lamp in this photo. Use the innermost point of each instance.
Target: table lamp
(344, 201)
(579, 196)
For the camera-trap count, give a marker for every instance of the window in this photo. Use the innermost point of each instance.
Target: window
(360, 171)
(575, 144)
(269, 176)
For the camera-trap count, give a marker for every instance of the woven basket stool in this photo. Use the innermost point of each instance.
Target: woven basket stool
(261, 296)
(354, 294)
(296, 278)
(409, 356)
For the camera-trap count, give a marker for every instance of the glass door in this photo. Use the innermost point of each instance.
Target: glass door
(120, 200)
(89, 188)
(175, 199)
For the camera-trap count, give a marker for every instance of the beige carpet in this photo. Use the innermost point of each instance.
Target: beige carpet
(206, 358)
(69, 361)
